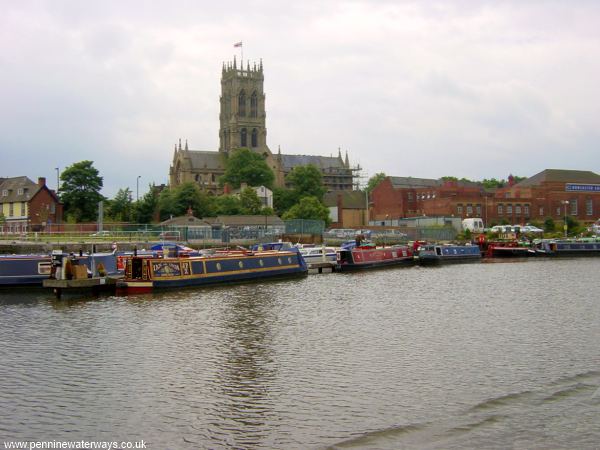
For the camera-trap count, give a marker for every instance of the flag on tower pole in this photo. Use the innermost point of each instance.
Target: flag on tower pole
(239, 44)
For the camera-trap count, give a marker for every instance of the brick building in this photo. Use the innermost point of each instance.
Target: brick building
(401, 197)
(551, 193)
(27, 206)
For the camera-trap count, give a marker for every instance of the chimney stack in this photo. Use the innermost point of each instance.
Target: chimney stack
(41, 181)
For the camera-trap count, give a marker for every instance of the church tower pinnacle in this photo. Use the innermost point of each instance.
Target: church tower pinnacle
(242, 115)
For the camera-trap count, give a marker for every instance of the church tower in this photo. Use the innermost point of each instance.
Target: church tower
(243, 116)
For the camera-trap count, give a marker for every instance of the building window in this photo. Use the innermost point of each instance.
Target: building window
(541, 211)
(254, 105)
(11, 210)
(254, 137)
(589, 207)
(5, 193)
(500, 210)
(20, 191)
(573, 204)
(518, 210)
(526, 210)
(509, 210)
(469, 210)
(52, 208)
(459, 209)
(242, 104)
(23, 209)
(478, 210)
(244, 138)
(558, 211)
(410, 196)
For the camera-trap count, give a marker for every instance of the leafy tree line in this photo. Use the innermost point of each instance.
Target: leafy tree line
(81, 185)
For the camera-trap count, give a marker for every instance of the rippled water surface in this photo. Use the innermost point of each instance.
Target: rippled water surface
(490, 355)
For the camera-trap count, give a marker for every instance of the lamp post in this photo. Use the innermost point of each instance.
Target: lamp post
(565, 227)
(137, 188)
(57, 180)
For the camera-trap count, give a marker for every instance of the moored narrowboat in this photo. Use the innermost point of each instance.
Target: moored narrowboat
(145, 273)
(568, 247)
(368, 256)
(508, 249)
(431, 254)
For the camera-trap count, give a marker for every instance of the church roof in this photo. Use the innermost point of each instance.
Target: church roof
(206, 160)
(561, 176)
(322, 162)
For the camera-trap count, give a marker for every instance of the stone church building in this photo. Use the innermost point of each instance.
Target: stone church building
(242, 124)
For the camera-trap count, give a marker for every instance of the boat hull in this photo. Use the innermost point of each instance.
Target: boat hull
(372, 258)
(441, 254)
(145, 274)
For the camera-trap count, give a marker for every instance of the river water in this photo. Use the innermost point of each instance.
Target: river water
(489, 355)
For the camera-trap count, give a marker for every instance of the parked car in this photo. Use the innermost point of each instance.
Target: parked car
(103, 233)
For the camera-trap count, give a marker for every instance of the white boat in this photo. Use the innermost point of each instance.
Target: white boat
(317, 255)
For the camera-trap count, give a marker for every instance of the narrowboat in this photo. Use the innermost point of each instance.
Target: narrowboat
(508, 249)
(32, 270)
(368, 256)
(24, 270)
(145, 273)
(568, 247)
(432, 254)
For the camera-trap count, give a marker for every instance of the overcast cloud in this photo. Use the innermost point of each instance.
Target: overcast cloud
(472, 89)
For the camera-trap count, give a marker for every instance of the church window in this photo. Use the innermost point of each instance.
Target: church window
(242, 104)
(254, 105)
(254, 137)
(197, 177)
(244, 136)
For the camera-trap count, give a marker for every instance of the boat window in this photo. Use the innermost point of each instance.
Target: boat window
(438, 251)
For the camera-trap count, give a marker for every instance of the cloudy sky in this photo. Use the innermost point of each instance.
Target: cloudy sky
(474, 89)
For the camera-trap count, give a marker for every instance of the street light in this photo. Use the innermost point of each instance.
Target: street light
(566, 203)
(137, 188)
(57, 180)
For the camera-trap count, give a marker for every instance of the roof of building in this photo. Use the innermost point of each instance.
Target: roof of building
(410, 182)
(206, 160)
(186, 220)
(15, 185)
(561, 176)
(322, 162)
(350, 199)
(245, 220)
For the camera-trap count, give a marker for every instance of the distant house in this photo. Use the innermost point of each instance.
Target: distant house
(27, 206)
(347, 209)
(264, 194)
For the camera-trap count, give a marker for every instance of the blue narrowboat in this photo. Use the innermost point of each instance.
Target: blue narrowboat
(568, 247)
(32, 270)
(431, 254)
(144, 273)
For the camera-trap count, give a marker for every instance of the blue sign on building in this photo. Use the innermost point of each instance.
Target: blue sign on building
(570, 187)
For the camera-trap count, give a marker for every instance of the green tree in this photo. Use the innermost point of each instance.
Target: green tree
(306, 181)
(245, 166)
(549, 225)
(121, 207)
(166, 204)
(146, 207)
(189, 196)
(283, 200)
(251, 204)
(80, 191)
(308, 208)
(228, 205)
(375, 180)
